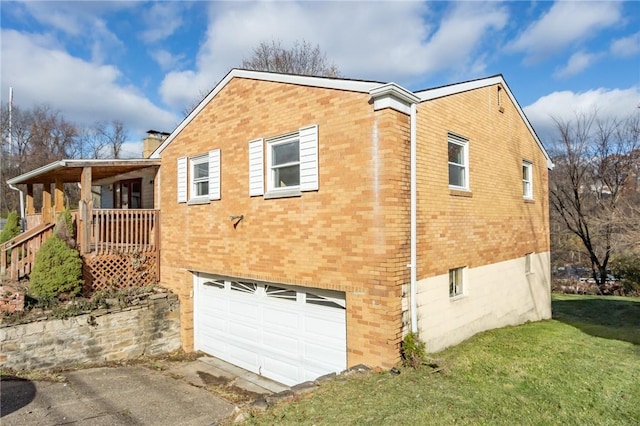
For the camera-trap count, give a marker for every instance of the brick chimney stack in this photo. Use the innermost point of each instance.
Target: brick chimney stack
(152, 141)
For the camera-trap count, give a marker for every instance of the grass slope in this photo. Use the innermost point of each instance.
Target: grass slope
(581, 368)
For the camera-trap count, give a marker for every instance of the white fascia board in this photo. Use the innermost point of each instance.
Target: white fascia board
(111, 161)
(452, 89)
(393, 96)
(438, 92)
(35, 172)
(81, 163)
(300, 80)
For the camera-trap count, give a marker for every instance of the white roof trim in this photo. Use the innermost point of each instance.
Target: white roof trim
(79, 163)
(396, 95)
(44, 169)
(393, 96)
(438, 92)
(301, 80)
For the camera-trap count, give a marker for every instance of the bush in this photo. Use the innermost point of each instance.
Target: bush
(413, 350)
(627, 269)
(11, 228)
(57, 270)
(64, 228)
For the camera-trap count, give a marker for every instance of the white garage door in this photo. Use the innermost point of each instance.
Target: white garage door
(288, 334)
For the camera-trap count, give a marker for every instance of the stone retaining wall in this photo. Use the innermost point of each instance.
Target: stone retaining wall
(150, 328)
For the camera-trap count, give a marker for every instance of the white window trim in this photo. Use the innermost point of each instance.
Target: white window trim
(527, 194)
(199, 159)
(308, 161)
(463, 284)
(527, 263)
(271, 188)
(186, 182)
(464, 143)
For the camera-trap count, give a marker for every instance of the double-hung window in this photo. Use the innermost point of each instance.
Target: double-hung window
(527, 180)
(458, 156)
(283, 160)
(198, 178)
(285, 165)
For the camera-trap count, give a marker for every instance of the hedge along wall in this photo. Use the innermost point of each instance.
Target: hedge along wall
(150, 328)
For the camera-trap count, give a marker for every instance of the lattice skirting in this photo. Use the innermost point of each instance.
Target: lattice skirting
(119, 271)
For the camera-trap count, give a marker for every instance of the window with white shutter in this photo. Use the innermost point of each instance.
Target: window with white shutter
(214, 174)
(182, 179)
(198, 180)
(309, 158)
(256, 167)
(291, 164)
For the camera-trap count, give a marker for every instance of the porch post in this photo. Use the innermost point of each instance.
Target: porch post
(30, 207)
(86, 207)
(46, 203)
(58, 202)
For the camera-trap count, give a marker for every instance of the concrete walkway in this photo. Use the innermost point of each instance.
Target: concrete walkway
(186, 393)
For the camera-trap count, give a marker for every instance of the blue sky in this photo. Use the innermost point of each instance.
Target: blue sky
(144, 62)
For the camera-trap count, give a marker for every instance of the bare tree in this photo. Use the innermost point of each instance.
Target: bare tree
(112, 136)
(303, 58)
(594, 187)
(39, 135)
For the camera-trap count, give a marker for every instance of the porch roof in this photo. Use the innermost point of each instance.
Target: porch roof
(70, 171)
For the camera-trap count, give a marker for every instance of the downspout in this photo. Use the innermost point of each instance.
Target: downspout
(23, 221)
(413, 307)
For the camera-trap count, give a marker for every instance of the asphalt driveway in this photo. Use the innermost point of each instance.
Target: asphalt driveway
(183, 394)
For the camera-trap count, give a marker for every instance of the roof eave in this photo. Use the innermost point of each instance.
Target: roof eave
(301, 80)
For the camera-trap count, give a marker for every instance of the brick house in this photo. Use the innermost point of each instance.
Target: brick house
(309, 223)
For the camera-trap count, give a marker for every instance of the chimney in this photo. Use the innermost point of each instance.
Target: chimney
(152, 142)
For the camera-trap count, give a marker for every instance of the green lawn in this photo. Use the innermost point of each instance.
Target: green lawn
(581, 368)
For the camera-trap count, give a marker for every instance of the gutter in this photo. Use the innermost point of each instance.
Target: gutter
(23, 220)
(413, 307)
(398, 98)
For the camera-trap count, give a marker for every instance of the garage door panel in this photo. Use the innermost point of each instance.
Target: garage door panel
(269, 332)
(327, 326)
(282, 370)
(246, 332)
(280, 318)
(280, 343)
(245, 357)
(323, 355)
(240, 310)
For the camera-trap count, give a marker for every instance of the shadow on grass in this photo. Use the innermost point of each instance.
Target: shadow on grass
(601, 316)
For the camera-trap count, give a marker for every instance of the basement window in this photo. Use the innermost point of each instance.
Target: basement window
(456, 282)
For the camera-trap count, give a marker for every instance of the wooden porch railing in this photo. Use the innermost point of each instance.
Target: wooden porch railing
(123, 231)
(33, 220)
(23, 249)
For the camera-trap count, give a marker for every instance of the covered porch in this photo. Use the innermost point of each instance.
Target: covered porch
(119, 246)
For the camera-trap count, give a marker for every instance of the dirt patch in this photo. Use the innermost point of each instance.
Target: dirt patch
(211, 380)
(225, 388)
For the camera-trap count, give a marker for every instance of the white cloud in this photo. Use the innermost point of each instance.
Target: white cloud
(73, 17)
(565, 24)
(627, 46)
(83, 92)
(373, 40)
(564, 105)
(162, 20)
(166, 59)
(577, 63)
